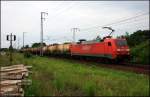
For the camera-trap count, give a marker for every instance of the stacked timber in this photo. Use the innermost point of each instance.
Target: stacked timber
(12, 80)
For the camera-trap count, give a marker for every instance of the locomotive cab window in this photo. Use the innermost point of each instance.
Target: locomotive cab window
(121, 43)
(109, 43)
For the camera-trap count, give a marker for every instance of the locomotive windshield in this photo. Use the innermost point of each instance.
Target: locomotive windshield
(121, 43)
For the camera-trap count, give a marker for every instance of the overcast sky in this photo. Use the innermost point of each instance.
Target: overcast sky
(24, 16)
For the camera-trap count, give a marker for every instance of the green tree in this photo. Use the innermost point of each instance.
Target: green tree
(137, 37)
(26, 46)
(38, 44)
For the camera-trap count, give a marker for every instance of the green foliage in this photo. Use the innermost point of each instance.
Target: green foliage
(27, 55)
(66, 42)
(58, 83)
(38, 44)
(140, 53)
(90, 88)
(139, 46)
(26, 46)
(4, 49)
(137, 37)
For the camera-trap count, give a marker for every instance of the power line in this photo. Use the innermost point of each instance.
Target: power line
(135, 25)
(58, 12)
(118, 21)
(129, 23)
(115, 26)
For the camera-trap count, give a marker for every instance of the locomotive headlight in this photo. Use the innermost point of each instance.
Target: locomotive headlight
(127, 49)
(118, 49)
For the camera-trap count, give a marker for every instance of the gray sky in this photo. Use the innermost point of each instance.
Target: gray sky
(24, 16)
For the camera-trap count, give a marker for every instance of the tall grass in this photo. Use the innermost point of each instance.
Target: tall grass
(62, 77)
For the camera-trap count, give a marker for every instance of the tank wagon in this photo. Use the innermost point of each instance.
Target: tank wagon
(57, 49)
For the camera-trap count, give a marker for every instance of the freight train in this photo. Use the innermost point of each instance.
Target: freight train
(108, 48)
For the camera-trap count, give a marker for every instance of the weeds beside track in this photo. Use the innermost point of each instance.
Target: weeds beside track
(130, 67)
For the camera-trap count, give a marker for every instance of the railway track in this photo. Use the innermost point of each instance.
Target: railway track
(145, 69)
(136, 65)
(129, 67)
(136, 68)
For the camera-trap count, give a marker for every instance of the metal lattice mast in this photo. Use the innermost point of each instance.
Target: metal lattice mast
(42, 18)
(74, 30)
(23, 38)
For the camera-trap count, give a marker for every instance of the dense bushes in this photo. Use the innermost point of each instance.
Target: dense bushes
(139, 45)
(140, 53)
(137, 37)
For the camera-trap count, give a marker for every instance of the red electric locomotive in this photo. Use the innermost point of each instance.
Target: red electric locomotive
(107, 48)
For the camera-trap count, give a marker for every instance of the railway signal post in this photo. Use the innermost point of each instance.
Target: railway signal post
(42, 18)
(11, 38)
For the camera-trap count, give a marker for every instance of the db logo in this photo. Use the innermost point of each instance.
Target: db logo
(86, 47)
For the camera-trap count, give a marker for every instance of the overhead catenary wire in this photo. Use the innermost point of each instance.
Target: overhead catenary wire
(60, 11)
(116, 24)
(117, 21)
(133, 23)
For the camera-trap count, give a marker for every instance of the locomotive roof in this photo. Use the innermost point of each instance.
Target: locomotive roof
(99, 40)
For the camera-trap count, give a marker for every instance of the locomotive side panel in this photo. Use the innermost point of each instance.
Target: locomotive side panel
(93, 49)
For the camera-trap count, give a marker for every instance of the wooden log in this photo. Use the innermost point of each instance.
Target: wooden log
(14, 82)
(16, 74)
(13, 78)
(9, 88)
(13, 71)
(16, 66)
(12, 94)
(9, 82)
(13, 68)
(19, 72)
(12, 90)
